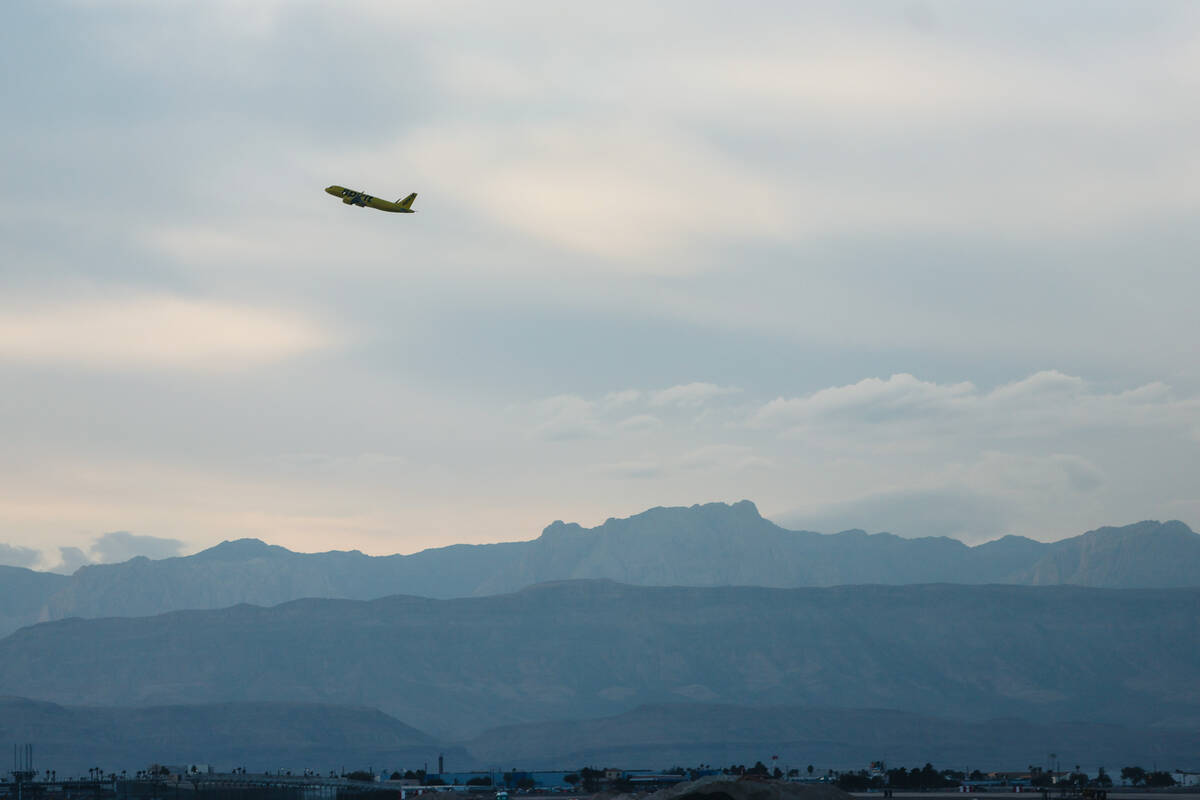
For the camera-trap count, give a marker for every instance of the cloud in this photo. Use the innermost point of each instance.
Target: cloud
(612, 192)
(955, 512)
(988, 497)
(690, 395)
(871, 399)
(154, 331)
(117, 547)
(1044, 403)
(903, 453)
(121, 546)
(71, 559)
(620, 399)
(16, 556)
(566, 417)
(874, 129)
(570, 416)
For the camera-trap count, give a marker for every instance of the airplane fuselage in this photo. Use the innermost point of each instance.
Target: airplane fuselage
(353, 197)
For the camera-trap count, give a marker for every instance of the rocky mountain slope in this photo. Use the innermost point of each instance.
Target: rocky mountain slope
(708, 545)
(592, 648)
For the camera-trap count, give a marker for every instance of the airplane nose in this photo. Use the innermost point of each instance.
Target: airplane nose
(334, 190)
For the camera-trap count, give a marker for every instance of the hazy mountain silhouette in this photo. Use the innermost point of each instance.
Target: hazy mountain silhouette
(25, 596)
(661, 735)
(260, 736)
(592, 648)
(708, 545)
(271, 736)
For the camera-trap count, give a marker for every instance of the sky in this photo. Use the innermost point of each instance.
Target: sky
(920, 267)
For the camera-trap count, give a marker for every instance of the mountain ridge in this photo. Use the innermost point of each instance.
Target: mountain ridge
(702, 545)
(589, 648)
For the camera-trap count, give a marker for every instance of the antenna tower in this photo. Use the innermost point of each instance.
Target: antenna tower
(22, 770)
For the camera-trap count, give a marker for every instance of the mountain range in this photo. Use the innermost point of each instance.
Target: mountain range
(703, 545)
(689, 733)
(580, 649)
(296, 736)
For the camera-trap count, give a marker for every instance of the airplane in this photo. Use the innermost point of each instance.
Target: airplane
(352, 197)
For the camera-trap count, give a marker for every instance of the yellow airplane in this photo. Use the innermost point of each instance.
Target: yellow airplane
(352, 197)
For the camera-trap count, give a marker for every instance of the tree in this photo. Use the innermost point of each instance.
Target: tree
(1159, 779)
(1039, 777)
(572, 779)
(854, 781)
(810, 769)
(1134, 775)
(590, 779)
(486, 780)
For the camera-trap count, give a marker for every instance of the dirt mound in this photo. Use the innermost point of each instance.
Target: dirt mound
(721, 787)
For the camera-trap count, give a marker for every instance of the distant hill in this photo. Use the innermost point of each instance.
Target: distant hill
(260, 736)
(593, 648)
(840, 738)
(704, 545)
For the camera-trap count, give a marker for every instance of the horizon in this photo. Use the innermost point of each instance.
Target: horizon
(127, 543)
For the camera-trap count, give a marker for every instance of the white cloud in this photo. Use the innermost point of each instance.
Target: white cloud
(1044, 403)
(899, 395)
(690, 395)
(154, 331)
(566, 416)
(570, 416)
(620, 399)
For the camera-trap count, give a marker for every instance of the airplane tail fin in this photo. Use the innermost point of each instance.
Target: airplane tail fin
(407, 201)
